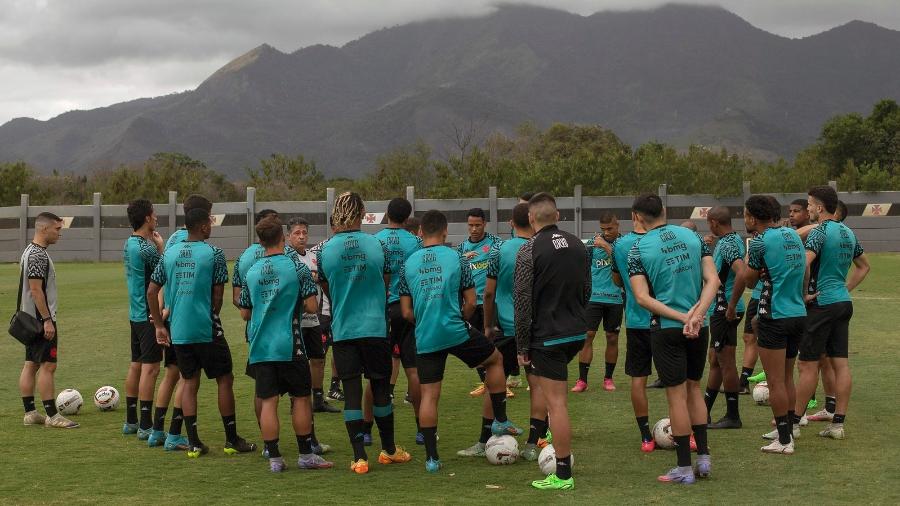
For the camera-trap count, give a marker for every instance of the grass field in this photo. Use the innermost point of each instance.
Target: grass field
(96, 464)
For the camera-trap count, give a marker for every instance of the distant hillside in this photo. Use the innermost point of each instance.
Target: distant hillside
(680, 74)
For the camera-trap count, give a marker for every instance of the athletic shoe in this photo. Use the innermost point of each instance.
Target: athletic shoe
(777, 447)
(322, 406)
(683, 475)
(277, 465)
(757, 378)
(34, 418)
(821, 416)
(177, 442)
(513, 382)
(367, 439)
(580, 386)
(506, 428)
(144, 434)
(476, 450)
(129, 429)
(197, 451)
(399, 457)
(361, 466)
(478, 391)
(608, 385)
(265, 453)
(703, 467)
(804, 421)
(546, 440)
(727, 423)
(693, 443)
(774, 434)
(313, 461)
(833, 430)
(648, 446)
(551, 482)
(239, 446)
(407, 399)
(433, 466)
(335, 394)
(321, 448)
(60, 422)
(157, 438)
(656, 384)
(509, 393)
(744, 390)
(812, 404)
(530, 452)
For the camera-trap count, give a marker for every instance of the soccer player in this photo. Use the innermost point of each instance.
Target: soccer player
(830, 249)
(776, 257)
(196, 273)
(432, 281)
(142, 253)
(354, 273)
(728, 258)
(673, 277)
(38, 297)
(399, 244)
(476, 250)
(605, 306)
(798, 214)
(751, 354)
(298, 230)
(192, 201)
(638, 355)
(552, 287)
(498, 306)
(277, 292)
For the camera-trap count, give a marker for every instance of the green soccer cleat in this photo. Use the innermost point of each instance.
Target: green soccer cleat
(241, 445)
(197, 451)
(551, 482)
(812, 404)
(756, 378)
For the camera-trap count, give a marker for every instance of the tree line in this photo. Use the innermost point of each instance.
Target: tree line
(862, 153)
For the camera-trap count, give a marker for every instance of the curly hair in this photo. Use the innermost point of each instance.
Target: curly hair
(348, 209)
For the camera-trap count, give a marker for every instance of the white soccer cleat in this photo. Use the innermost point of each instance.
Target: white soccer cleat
(777, 447)
(774, 434)
(822, 416)
(804, 421)
(833, 430)
(34, 418)
(60, 422)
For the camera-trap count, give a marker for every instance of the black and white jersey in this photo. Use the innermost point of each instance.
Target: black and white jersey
(552, 289)
(36, 264)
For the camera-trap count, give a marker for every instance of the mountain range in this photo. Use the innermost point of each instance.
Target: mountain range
(679, 74)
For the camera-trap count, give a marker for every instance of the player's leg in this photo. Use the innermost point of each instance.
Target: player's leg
(837, 350)
(638, 366)
(612, 321)
(190, 388)
(314, 345)
(727, 359)
(819, 323)
(132, 382)
(377, 363)
(163, 397)
(695, 353)
(774, 364)
(428, 416)
(538, 418)
(216, 361)
(585, 357)
(749, 358)
(295, 379)
(826, 373)
(670, 354)
(551, 368)
(713, 381)
(349, 361)
(170, 390)
(269, 429)
(26, 389)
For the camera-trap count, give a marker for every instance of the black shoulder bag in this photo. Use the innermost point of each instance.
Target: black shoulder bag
(24, 327)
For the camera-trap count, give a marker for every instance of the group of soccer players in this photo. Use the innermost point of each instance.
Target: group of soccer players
(404, 299)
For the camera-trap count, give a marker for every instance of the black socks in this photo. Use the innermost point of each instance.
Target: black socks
(193, 437)
(537, 429)
(643, 423)
(131, 410)
(272, 448)
(159, 417)
(700, 438)
(485, 430)
(177, 420)
(564, 467)
(731, 400)
(830, 403)
(583, 369)
(28, 402)
(50, 407)
(610, 367)
(430, 434)
(683, 450)
(746, 372)
(146, 412)
(498, 403)
(230, 425)
(304, 443)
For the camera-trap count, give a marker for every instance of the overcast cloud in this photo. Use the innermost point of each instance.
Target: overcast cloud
(59, 55)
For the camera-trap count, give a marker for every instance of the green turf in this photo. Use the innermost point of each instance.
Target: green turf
(96, 464)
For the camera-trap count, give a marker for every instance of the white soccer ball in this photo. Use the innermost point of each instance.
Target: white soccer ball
(69, 402)
(662, 434)
(106, 398)
(547, 460)
(761, 393)
(502, 450)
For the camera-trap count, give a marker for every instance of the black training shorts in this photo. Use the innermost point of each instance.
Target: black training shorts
(279, 378)
(42, 350)
(722, 332)
(144, 348)
(827, 331)
(677, 357)
(552, 362)
(638, 353)
(312, 341)
(609, 314)
(781, 334)
(213, 357)
(473, 352)
(369, 356)
(402, 336)
(752, 307)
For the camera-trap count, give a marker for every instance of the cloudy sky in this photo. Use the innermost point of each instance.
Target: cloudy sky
(59, 55)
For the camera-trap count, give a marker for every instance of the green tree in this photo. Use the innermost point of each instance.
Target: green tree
(280, 177)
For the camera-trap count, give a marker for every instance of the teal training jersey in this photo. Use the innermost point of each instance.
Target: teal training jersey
(274, 290)
(603, 289)
(670, 258)
(478, 263)
(188, 271)
(434, 277)
(729, 249)
(502, 267)
(836, 247)
(249, 257)
(636, 317)
(177, 236)
(399, 244)
(778, 255)
(353, 264)
(140, 257)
